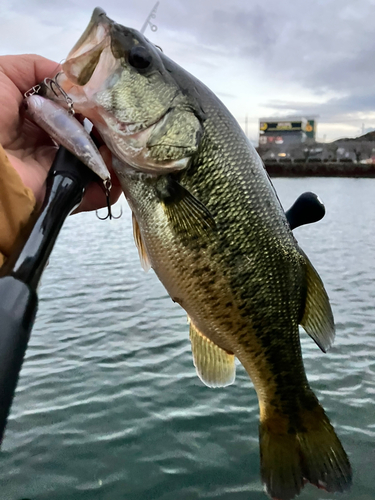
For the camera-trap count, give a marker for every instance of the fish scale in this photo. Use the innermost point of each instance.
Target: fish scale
(243, 223)
(208, 221)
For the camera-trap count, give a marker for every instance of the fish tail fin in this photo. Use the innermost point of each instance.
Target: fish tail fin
(291, 457)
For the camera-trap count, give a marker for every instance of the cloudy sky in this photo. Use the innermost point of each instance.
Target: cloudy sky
(262, 58)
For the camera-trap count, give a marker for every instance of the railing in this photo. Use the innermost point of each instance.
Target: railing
(318, 168)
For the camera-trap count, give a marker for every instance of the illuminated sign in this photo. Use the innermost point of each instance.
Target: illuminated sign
(311, 128)
(282, 126)
(270, 139)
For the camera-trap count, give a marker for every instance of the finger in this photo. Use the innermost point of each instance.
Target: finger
(27, 70)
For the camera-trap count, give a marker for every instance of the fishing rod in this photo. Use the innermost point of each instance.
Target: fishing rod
(20, 275)
(148, 22)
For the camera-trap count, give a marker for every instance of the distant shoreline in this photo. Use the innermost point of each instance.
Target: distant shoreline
(319, 169)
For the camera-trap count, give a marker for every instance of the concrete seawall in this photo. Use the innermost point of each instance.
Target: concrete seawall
(319, 169)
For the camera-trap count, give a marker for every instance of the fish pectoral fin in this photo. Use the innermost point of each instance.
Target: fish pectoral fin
(317, 318)
(215, 366)
(143, 257)
(184, 210)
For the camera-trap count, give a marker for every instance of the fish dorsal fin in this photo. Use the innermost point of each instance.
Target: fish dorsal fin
(215, 367)
(183, 209)
(143, 257)
(317, 318)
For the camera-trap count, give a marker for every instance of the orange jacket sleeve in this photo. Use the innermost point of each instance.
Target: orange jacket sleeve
(17, 203)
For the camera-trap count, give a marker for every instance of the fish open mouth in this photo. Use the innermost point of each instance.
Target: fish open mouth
(88, 68)
(74, 85)
(83, 59)
(79, 77)
(103, 80)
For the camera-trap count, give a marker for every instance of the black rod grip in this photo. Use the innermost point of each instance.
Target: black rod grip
(20, 275)
(18, 308)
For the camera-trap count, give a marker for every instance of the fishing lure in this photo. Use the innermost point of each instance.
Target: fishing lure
(66, 131)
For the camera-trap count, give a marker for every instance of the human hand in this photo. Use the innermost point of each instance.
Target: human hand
(29, 149)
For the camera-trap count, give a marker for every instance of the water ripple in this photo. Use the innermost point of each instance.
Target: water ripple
(108, 405)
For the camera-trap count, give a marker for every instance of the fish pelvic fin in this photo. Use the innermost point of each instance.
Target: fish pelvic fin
(291, 457)
(317, 318)
(215, 366)
(143, 257)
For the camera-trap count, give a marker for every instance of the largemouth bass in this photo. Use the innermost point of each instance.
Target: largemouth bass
(208, 221)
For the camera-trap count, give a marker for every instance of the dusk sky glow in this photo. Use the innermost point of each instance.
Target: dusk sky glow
(262, 59)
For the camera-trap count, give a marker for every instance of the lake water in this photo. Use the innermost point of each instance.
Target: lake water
(108, 406)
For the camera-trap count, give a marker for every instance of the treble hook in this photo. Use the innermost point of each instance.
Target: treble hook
(109, 216)
(51, 82)
(107, 188)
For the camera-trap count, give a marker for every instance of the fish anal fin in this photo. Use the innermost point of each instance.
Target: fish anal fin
(143, 257)
(290, 457)
(317, 318)
(215, 366)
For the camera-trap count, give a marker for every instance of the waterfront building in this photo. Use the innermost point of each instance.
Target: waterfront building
(284, 132)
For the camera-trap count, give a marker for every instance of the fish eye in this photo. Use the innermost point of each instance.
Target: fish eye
(139, 57)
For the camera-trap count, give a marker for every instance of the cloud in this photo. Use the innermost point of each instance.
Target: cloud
(293, 56)
(344, 108)
(322, 45)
